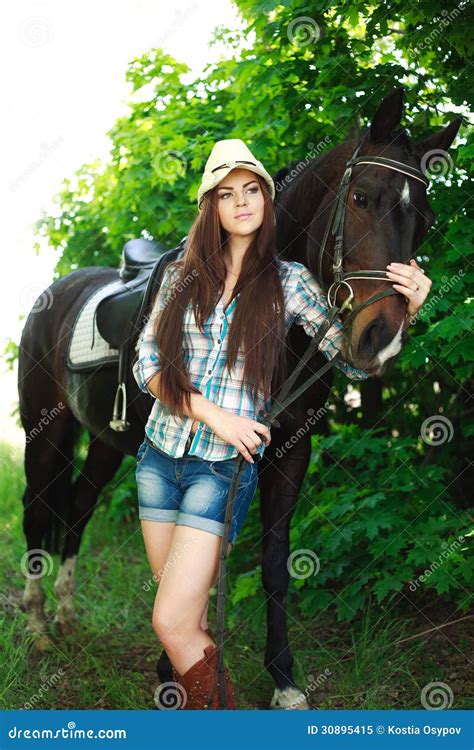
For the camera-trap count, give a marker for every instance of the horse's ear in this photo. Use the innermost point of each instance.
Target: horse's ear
(388, 116)
(442, 139)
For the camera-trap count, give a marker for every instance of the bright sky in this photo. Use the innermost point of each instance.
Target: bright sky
(63, 88)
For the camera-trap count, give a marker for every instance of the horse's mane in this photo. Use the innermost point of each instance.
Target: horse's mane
(400, 137)
(338, 155)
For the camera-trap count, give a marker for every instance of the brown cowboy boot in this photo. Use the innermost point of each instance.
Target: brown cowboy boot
(229, 689)
(228, 683)
(164, 668)
(200, 683)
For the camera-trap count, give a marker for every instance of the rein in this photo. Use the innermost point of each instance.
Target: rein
(284, 398)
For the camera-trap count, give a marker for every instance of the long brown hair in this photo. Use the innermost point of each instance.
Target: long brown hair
(258, 325)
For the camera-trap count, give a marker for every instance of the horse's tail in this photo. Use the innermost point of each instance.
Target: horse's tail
(51, 432)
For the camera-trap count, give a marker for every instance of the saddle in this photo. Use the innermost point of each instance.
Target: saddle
(120, 316)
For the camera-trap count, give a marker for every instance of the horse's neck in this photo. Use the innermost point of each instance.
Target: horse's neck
(296, 214)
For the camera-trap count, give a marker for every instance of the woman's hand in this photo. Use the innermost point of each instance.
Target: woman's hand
(412, 282)
(241, 432)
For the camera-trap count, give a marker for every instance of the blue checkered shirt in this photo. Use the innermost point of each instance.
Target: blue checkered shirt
(205, 355)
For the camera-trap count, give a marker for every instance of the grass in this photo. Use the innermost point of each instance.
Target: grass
(109, 662)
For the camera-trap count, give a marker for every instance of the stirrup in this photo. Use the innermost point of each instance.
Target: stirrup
(119, 422)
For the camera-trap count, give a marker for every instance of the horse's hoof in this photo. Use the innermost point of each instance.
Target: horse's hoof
(38, 631)
(289, 699)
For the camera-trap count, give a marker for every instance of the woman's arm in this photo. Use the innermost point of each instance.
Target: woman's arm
(148, 363)
(243, 433)
(202, 409)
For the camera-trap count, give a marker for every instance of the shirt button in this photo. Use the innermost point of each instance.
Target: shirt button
(218, 341)
(209, 372)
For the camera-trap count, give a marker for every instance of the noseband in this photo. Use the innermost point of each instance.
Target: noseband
(335, 226)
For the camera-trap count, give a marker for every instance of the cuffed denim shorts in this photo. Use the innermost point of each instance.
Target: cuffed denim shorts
(190, 490)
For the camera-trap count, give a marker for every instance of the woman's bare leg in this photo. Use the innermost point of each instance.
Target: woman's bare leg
(188, 574)
(205, 614)
(157, 537)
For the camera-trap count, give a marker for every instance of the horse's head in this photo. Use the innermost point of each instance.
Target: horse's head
(387, 214)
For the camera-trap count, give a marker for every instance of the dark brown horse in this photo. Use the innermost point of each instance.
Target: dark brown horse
(387, 215)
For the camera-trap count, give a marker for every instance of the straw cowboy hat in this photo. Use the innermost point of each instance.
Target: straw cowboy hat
(225, 156)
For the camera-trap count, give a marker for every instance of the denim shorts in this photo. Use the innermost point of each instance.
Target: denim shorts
(191, 490)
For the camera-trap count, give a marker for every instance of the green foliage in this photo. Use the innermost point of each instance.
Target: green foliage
(377, 518)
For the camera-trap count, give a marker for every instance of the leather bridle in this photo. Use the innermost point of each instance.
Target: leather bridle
(335, 226)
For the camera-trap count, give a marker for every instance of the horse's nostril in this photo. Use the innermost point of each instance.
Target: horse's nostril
(370, 338)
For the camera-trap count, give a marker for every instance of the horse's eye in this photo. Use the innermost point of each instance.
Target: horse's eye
(360, 199)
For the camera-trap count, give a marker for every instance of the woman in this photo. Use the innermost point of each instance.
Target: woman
(211, 349)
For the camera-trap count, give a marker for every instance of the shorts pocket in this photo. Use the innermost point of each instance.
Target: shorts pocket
(226, 470)
(141, 452)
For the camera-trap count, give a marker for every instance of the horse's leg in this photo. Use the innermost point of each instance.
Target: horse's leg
(48, 473)
(99, 468)
(280, 482)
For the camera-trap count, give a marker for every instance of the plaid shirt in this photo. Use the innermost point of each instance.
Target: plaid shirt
(205, 355)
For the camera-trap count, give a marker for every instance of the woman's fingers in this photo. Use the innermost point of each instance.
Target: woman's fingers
(263, 430)
(410, 276)
(242, 448)
(411, 282)
(251, 442)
